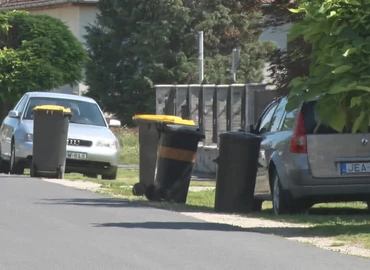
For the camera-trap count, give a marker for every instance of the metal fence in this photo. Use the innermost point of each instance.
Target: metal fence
(215, 108)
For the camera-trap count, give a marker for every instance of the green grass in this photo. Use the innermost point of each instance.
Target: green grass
(129, 141)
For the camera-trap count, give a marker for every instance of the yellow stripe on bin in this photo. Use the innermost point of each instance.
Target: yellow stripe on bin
(177, 154)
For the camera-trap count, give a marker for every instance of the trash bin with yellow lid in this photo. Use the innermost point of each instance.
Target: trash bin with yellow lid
(177, 151)
(148, 146)
(50, 134)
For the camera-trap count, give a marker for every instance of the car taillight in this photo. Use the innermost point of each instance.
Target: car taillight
(298, 143)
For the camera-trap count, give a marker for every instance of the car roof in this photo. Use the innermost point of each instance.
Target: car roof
(60, 96)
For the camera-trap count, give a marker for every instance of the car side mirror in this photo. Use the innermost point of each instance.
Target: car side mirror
(13, 114)
(114, 123)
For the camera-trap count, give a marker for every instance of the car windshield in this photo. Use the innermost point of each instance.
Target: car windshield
(84, 113)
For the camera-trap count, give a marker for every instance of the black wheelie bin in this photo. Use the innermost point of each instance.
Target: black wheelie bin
(148, 146)
(50, 134)
(236, 171)
(177, 150)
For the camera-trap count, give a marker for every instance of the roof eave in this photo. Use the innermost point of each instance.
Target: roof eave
(47, 3)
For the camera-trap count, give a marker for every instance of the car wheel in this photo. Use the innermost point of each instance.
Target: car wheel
(4, 165)
(111, 176)
(281, 200)
(15, 168)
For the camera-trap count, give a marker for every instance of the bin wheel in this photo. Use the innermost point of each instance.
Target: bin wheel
(60, 173)
(151, 193)
(257, 205)
(33, 173)
(138, 189)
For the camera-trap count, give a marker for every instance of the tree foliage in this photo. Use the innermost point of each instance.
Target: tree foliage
(338, 31)
(135, 44)
(37, 53)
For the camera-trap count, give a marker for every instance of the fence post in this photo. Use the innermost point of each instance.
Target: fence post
(243, 116)
(201, 108)
(187, 114)
(169, 101)
(215, 115)
(229, 104)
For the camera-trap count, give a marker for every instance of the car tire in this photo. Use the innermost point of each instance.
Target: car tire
(4, 165)
(111, 176)
(281, 199)
(15, 168)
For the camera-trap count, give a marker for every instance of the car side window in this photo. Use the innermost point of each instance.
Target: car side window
(266, 119)
(278, 116)
(21, 105)
(289, 119)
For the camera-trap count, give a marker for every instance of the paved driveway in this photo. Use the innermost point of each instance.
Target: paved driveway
(49, 226)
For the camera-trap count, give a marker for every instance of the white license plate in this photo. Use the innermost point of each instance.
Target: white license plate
(76, 155)
(352, 168)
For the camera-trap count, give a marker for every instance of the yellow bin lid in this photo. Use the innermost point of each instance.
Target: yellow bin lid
(171, 119)
(54, 108)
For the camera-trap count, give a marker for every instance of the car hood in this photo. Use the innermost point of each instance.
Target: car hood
(79, 131)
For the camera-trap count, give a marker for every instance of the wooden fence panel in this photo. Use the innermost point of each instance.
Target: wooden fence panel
(215, 108)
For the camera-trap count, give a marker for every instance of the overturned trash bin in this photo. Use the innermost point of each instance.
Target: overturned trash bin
(148, 146)
(50, 133)
(177, 150)
(236, 172)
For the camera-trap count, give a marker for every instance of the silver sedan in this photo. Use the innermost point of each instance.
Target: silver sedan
(92, 149)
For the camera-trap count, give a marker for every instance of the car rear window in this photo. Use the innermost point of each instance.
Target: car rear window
(311, 120)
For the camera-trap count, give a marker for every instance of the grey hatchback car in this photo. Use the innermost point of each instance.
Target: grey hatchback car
(92, 149)
(299, 167)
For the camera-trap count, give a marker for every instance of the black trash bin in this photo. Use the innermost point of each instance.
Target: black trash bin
(50, 134)
(236, 172)
(176, 156)
(148, 146)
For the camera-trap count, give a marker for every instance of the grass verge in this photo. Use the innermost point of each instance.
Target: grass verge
(129, 141)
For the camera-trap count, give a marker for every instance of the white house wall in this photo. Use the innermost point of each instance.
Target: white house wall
(76, 18)
(279, 36)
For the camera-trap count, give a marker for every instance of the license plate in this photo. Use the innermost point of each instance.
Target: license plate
(353, 168)
(76, 155)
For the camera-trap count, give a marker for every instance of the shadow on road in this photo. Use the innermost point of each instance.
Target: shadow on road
(199, 226)
(97, 202)
(119, 202)
(315, 231)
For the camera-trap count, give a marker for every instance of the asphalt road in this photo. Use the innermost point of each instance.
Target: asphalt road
(49, 226)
